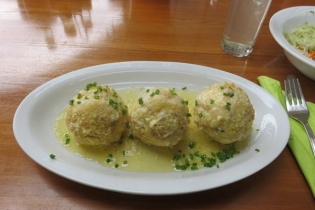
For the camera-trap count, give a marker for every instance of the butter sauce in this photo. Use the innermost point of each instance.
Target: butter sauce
(133, 155)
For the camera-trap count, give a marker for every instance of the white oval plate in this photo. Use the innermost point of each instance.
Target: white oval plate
(34, 120)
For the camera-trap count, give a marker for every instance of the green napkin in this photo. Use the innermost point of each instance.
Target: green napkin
(298, 141)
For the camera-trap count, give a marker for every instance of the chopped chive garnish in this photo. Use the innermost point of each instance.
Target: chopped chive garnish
(228, 94)
(124, 111)
(192, 144)
(140, 100)
(185, 102)
(67, 139)
(228, 106)
(173, 91)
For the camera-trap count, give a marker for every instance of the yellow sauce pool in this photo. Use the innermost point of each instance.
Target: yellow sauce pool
(133, 155)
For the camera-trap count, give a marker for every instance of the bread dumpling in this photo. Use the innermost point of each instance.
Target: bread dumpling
(96, 115)
(224, 112)
(160, 117)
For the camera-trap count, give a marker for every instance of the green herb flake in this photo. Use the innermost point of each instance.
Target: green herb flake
(173, 92)
(257, 150)
(140, 101)
(191, 144)
(177, 157)
(184, 102)
(181, 167)
(124, 111)
(71, 102)
(111, 102)
(228, 106)
(52, 156)
(229, 94)
(67, 139)
(194, 167)
(184, 88)
(88, 87)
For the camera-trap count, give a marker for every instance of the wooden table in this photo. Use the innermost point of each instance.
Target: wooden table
(41, 40)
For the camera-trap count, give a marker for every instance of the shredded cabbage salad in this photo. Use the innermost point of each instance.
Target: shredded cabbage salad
(303, 38)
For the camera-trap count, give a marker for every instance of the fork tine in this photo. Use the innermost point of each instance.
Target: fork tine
(301, 96)
(294, 90)
(288, 91)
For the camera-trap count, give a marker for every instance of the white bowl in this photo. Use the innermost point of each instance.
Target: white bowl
(287, 20)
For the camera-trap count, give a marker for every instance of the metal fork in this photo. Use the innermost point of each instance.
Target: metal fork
(297, 107)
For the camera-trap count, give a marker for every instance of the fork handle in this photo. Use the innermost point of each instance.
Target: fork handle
(310, 136)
